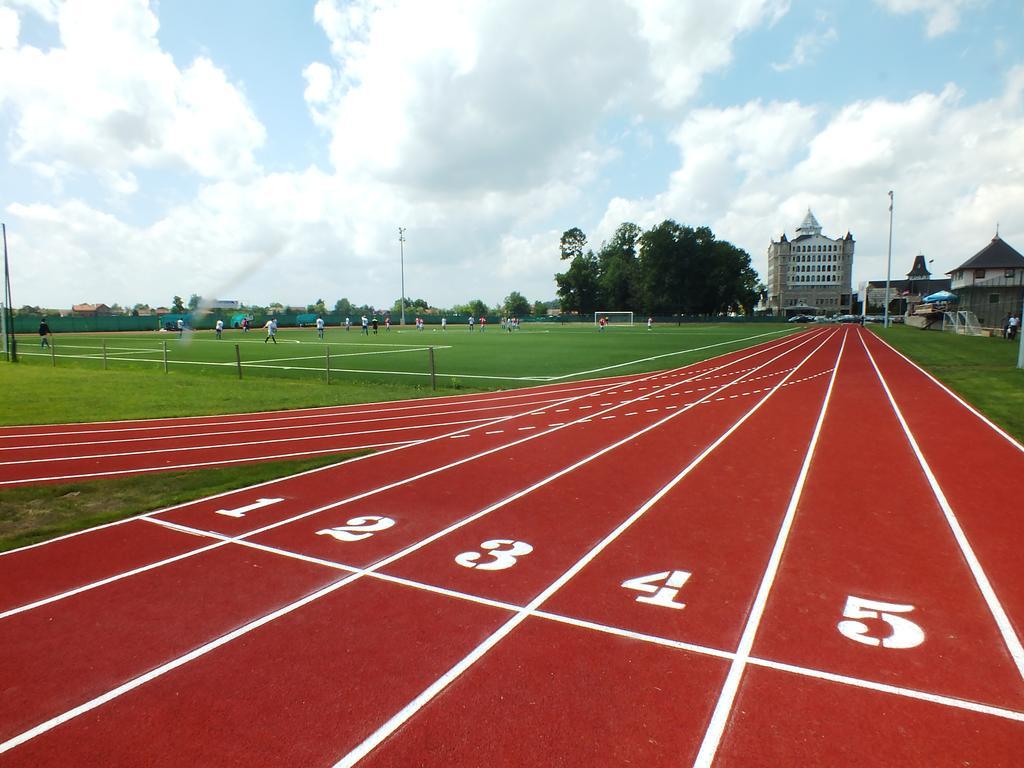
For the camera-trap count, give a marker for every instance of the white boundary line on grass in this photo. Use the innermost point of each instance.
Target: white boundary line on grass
(1013, 644)
(727, 696)
(284, 610)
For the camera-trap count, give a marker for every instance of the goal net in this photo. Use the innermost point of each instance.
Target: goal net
(614, 318)
(961, 321)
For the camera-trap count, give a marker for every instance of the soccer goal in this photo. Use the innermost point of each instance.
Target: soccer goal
(961, 321)
(614, 318)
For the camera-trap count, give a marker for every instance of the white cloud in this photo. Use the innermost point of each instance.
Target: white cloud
(109, 101)
(10, 26)
(750, 172)
(807, 48)
(942, 15)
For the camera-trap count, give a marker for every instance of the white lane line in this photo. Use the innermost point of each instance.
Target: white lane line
(410, 709)
(995, 427)
(168, 467)
(912, 693)
(524, 429)
(720, 716)
(259, 622)
(494, 432)
(1013, 643)
(245, 443)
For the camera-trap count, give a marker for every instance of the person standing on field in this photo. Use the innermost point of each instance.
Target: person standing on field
(181, 327)
(219, 328)
(365, 325)
(320, 327)
(444, 323)
(471, 323)
(271, 327)
(44, 333)
(650, 320)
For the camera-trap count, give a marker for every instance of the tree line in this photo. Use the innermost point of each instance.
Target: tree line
(669, 269)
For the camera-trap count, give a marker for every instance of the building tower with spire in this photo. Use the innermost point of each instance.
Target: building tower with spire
(811, 274)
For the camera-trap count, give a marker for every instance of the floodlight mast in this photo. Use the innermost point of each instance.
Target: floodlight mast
(888, 268)
(401, 254)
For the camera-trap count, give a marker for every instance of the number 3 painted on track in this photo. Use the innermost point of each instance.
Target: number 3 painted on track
(905, 633)
(503, 558)
(358, 528)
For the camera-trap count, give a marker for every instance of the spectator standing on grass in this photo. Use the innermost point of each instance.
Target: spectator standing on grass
(219, 328)
(1013, 325)
(320, 327)
(271, 327)
(44, 333)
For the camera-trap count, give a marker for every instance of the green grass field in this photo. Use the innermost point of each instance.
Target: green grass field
(72, 385)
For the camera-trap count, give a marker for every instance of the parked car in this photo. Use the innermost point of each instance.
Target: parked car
(800, 319)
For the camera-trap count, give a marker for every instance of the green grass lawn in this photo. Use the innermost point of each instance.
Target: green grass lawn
(980, 369)
(72, 385)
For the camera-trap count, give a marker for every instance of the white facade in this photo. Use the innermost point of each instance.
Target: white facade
(811, 274)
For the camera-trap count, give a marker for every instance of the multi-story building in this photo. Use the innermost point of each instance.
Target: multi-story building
(810, 274)
(991, 283)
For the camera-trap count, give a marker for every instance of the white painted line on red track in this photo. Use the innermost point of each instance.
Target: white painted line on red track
(1013, 643)
(261, 621)
(403, 715)
(723, 708)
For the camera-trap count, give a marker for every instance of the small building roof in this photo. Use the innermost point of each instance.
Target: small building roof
(998, 254)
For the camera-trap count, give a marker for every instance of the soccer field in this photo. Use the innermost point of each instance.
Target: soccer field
(489, 359)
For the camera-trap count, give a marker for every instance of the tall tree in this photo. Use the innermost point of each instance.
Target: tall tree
(194, 301)
(477, 308)
(578, 286)
(618, 268)
(177, 305)
(516, 305)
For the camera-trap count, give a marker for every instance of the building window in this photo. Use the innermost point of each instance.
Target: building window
(979, 274)
(1008, 273)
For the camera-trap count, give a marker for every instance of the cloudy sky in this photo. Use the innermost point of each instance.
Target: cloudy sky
(268, 150)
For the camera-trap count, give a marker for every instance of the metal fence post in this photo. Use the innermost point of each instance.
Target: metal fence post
(238, 361)
(165, 356)
(433, 372)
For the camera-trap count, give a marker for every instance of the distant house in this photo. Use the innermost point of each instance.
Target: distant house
(90, 310)
(919, 283)
(990, 283)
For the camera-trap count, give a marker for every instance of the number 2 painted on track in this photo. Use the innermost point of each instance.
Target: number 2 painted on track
(505, 553)
(358, 528)
(905, 633)
(659, 595)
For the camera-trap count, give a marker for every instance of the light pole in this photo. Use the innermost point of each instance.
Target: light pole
(401, 253)
(888, 268)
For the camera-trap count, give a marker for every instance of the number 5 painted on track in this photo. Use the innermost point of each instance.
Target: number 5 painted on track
(358, 528)
(905, 633)
(663, 596)
(503, 558)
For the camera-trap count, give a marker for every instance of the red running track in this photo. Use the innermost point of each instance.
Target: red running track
(709, 573)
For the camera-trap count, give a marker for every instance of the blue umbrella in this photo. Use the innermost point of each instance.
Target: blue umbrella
(941, 296)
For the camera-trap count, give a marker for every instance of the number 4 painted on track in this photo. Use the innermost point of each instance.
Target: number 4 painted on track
(240, 512)
(659, 595)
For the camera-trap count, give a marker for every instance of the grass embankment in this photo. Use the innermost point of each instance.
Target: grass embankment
(980, 369)
(36, 513)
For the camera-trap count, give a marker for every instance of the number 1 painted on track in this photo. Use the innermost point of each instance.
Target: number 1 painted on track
(664, 595)
(240, 512)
